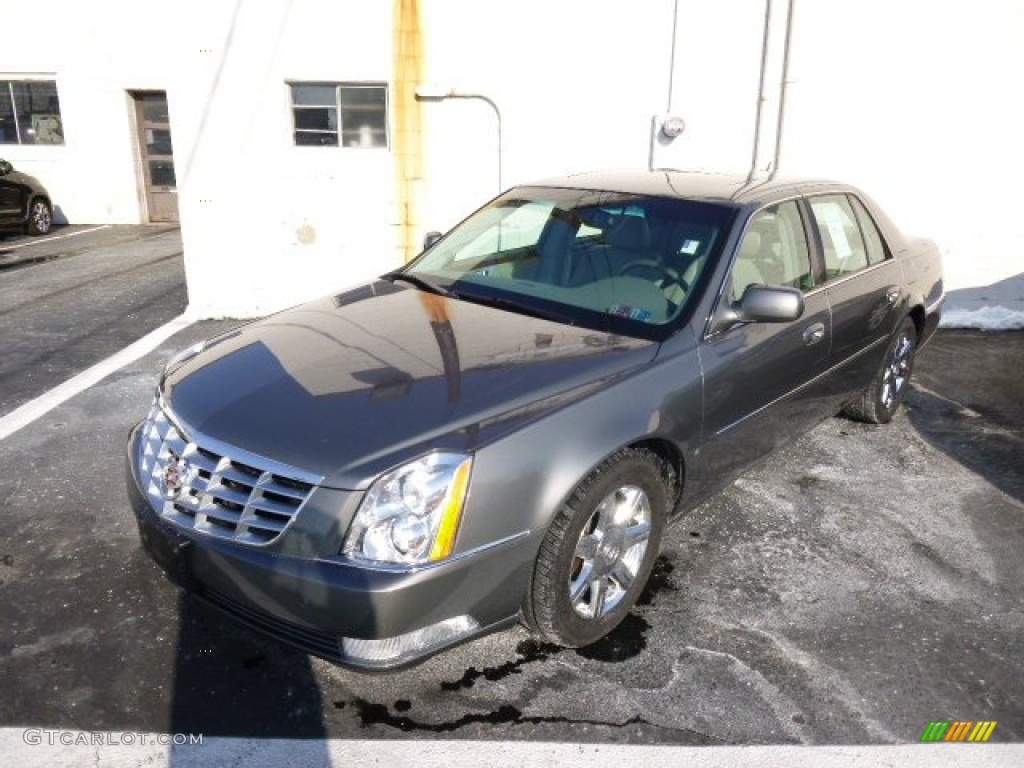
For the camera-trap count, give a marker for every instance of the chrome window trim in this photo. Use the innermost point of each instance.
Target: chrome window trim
(840, 280)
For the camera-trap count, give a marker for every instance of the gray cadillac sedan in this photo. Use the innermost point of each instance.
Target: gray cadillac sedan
(502, 429)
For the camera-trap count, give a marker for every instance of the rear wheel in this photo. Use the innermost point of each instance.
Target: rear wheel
(599, 551)
(883, 396)
(40, 217)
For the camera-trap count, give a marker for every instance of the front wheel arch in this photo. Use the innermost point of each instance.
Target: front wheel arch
(549, 607)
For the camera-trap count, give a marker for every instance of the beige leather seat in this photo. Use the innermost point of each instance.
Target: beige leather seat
(745, 271)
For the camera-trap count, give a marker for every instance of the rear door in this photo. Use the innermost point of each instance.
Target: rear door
(862, 283)
(761, 380)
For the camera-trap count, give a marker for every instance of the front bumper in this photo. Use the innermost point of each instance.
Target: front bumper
(329, 606)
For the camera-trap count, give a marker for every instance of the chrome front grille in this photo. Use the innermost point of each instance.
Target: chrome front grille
(202, 485)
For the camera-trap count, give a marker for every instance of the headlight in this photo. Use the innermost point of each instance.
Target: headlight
(411, 515)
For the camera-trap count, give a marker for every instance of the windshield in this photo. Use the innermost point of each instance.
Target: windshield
(624, 263)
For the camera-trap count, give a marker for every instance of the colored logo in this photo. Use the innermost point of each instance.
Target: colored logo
(958, 730)
(177, 474)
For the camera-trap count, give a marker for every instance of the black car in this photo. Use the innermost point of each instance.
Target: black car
(503, 428)
(24, 202)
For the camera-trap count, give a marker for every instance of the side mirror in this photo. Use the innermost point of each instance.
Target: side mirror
(5, 167)
(761, 304)
(430, 238)
(771, 304)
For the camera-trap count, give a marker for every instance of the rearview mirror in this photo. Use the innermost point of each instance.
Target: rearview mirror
(430, 238)
(5, 167)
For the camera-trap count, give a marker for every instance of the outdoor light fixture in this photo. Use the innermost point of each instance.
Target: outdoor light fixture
(436, 93)
(673, 126)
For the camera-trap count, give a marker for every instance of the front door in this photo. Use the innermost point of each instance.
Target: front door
(763, 382)
(11, 210)
(156, 154)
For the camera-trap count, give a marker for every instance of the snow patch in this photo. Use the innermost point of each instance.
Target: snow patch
(983, 319)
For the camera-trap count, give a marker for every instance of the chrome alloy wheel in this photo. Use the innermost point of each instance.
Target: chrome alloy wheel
(41, 217)
(897, 371)
(609, 552)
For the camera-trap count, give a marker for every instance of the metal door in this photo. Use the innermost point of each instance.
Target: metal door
(156, 155)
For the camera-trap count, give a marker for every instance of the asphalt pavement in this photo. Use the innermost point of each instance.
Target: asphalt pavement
(858, 584)
(73, 298)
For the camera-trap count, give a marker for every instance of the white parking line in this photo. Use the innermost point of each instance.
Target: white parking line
(53, 748)
(40, 406)
(55, 237)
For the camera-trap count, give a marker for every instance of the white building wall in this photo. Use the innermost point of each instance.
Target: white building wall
(96, 52)
(266, 224)
(576, 83)
(916, 101)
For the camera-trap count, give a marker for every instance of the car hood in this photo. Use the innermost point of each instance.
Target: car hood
(351, 385)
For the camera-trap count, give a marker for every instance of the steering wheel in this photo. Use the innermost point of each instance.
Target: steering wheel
(667, 273)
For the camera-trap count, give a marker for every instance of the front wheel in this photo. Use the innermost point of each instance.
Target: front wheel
(599, 551)
(879, 402)
(40, 218)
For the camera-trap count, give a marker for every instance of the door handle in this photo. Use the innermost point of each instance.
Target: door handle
(892, 295)
(814, 333)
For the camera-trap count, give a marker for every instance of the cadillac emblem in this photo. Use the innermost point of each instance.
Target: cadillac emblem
(177, 474)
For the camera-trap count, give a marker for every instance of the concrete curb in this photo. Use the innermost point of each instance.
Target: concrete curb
(28, 747)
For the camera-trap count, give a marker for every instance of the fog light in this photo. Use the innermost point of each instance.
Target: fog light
(394, 650)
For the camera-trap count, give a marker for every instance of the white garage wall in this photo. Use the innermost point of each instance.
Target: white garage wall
(266, 224)
(96, 54)
(916, 101)
(919, 102)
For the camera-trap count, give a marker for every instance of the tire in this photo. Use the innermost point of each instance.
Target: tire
(588, 575)
(882, 397)
(40, 217)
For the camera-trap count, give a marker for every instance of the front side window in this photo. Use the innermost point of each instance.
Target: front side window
(611, 261)
(340, 114)
(773, 251)
(841, 241)
(30, 112)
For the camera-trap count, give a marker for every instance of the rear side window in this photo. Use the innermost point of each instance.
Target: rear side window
(877, 251)
(841, 241)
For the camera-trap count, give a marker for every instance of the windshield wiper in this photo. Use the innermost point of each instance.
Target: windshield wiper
(517, 307)
(419, 282)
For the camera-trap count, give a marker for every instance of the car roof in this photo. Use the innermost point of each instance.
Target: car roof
(709, 186)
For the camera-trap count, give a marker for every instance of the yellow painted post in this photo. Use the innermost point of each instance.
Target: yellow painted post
(407, 120)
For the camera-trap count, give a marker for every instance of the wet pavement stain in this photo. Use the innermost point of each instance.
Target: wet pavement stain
(254, 660)
(371, 715)
(659, 581)
(530, 652)
(624, 642)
